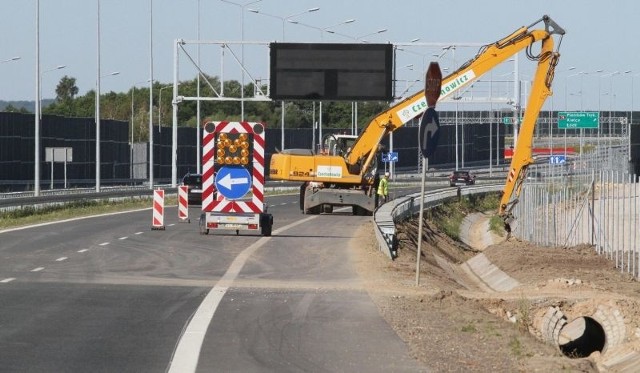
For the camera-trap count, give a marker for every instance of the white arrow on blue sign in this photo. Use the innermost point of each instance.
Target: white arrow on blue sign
(557, 159)
(233, 182)
(390, 157)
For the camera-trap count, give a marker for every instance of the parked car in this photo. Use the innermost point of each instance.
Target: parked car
(461, 177)
(193, 182)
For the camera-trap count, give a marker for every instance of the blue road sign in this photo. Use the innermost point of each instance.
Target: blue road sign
(557, 159)
(390, 157)
(429, 132)
(233, 182)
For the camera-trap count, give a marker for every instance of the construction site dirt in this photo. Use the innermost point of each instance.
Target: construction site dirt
(554, 309)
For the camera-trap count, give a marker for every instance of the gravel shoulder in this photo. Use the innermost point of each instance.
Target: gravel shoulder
(451, 323)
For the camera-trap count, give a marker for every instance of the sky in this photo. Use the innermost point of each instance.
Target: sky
(598, 68)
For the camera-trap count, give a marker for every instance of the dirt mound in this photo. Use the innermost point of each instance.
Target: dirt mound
(451, 325)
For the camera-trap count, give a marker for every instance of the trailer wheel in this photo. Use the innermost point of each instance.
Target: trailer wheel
(266, 224)
(326, 208)
(266, 230)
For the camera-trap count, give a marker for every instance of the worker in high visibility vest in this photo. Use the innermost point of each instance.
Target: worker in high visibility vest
(383, 189)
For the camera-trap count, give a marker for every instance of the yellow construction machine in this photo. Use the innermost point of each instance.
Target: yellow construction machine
(345, 172)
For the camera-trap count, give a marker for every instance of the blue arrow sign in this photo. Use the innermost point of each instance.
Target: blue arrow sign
(429, 132)
(233, 182)
(557, 159)
(390, 157)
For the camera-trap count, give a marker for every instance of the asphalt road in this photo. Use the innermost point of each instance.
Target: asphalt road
(108, 294)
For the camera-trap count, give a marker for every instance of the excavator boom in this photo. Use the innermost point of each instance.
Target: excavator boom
(356, 167)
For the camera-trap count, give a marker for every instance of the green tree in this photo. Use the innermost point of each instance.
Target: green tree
(66, 89)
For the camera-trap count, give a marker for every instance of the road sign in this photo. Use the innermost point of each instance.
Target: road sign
(390, 157)
(578, 119)
(507, 120)
(233, 182)
(429, 132)
(557, 159)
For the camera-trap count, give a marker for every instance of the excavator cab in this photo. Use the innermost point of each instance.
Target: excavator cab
(336, 144)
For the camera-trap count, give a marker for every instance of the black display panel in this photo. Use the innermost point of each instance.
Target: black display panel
(353, 72)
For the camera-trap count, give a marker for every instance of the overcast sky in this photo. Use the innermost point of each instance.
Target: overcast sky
(601, 35)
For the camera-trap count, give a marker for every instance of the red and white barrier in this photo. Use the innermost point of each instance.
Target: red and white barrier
(183, 204)
(158, 209)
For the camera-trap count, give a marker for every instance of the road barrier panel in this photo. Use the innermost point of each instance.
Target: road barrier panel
(158, 210)
(183, 204)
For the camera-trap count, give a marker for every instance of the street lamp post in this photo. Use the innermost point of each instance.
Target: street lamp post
(326, 29)
(611, 102)
(380, 31)
(59, 67)
(98, 127)
(10, 59)
(36, 136)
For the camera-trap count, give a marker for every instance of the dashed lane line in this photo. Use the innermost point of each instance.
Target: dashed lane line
(37, 269)
(104, 244)
(61, 259)
(7, 280)
(83, 250)
(123, 238)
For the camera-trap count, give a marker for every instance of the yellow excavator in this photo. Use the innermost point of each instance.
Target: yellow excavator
(345, 173)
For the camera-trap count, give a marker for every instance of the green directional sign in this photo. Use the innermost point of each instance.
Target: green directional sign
(578, 119)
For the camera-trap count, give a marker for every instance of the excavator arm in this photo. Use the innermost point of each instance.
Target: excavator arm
(489, 56)
(341, 179)
(522, 156)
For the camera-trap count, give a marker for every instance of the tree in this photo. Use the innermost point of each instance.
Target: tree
(66, 89)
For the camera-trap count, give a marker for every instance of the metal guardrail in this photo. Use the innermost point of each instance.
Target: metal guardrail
(387, 215)
(16, 200)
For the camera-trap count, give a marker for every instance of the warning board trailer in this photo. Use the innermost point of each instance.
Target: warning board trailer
(233, 178)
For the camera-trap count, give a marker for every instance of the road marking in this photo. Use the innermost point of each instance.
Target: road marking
(61, 259)
(7, 280)
(83, 250)
(72, 219)
(171, 225)
(123, 238)
(104, 244)
(139, 233)
(37, 269)
(187, 353)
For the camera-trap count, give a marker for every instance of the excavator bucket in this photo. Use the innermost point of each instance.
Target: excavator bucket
(432, 83)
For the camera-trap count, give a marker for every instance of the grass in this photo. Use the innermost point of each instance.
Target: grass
(516, 346)
(448, 217)
(524, 311)
(29, 215)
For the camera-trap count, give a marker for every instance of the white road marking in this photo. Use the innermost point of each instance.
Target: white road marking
(171, 225)
(123, 238)
(139, 233)
(104, 244)
(37, 269)
(7, 280)
(72, 219)
(61, 259)
(83, 250)
(187, 353)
